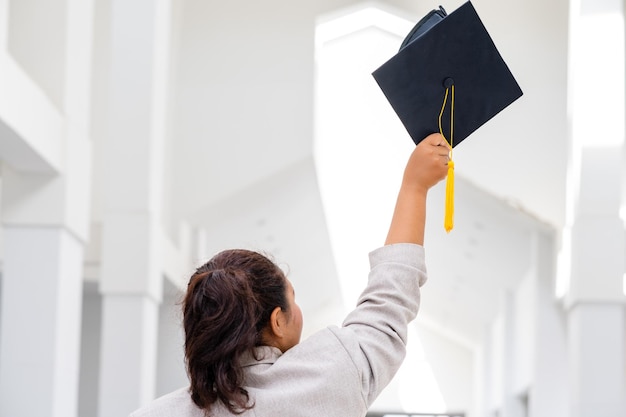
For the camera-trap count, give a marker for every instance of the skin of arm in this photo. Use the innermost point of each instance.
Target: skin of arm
(427, 165)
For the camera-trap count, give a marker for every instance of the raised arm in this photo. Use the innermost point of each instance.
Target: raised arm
(425, 168)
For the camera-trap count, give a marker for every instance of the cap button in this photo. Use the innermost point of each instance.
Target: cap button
(448, 82)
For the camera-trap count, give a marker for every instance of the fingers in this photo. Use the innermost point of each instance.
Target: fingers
(440, 147)
(436, 139)
(428, 163)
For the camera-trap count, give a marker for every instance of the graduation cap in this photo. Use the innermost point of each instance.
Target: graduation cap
(448, 77)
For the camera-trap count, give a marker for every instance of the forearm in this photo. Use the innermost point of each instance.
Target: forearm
(427, 166)
(409, 217)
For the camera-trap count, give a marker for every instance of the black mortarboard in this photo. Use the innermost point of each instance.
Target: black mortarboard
(441, 51)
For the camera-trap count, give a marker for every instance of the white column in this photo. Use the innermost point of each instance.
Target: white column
(41, 306)
(45, 219)
(494, 367)
(594, 294)
(90, 351)
(131, 270)
(171, 360)
(548, 393)
(511, 406)
(597, 360)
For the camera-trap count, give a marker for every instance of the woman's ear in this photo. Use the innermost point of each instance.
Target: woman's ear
(276, 323)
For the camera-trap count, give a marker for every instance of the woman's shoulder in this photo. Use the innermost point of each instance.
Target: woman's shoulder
(175, 403)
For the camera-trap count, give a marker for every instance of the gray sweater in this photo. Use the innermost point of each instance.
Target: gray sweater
(337, 371)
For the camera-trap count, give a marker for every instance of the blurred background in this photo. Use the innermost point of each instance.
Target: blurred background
(140, 137)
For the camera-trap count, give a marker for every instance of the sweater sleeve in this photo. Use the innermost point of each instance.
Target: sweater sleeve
(375, 332)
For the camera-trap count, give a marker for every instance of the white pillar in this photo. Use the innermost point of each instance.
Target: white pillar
(548, 393)
(90, 351)
(597, 360)
(45, 222)
(594, 294)
(511, 405)
(131, 270)
(494, 367)
(171, 372)
(41, 306)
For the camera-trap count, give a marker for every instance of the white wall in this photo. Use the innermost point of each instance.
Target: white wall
(265, 218)
(453, 368)
(247, 79)
(526, 353)
(359, 145)
(37, 34)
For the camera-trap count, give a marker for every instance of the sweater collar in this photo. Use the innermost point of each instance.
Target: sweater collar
(260, 355)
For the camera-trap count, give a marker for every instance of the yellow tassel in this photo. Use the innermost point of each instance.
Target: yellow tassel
(448, 221)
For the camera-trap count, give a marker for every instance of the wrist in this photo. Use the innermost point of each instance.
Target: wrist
(414, 188)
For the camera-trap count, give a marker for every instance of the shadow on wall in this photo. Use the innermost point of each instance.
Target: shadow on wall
(90, 350)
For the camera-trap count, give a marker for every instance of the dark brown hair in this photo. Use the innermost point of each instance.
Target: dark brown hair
(227, 306)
